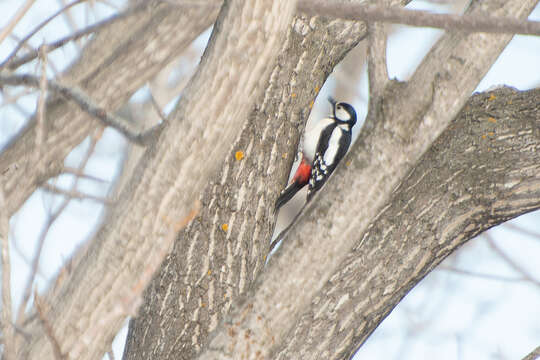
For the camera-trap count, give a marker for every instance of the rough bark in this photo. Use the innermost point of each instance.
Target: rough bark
(224, 263)
(210, 266)
(87, 309)
(411, 117)
(483, 170)
(122, 58)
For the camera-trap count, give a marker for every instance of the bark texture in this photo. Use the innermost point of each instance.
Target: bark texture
(482, 171)
(411, 116)
(220, 254)
(88, 309)
(121, 59)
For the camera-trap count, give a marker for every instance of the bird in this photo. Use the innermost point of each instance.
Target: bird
(324, 147)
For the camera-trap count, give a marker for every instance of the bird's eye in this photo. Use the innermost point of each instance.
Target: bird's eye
(339, 107)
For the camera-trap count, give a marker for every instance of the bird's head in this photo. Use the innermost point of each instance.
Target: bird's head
(343, 112)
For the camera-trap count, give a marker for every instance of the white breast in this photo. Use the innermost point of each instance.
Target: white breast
(312, 137)
(333, 146)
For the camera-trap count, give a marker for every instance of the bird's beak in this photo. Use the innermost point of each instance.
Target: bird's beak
(332, 101)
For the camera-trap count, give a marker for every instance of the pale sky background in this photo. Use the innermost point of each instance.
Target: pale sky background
(447, 316)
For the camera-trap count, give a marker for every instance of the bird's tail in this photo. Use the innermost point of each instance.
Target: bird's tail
(288, 193)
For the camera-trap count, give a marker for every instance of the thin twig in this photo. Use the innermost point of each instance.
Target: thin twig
(11, 99)
(157, 108)
(522, 230)
(41, 240)
(40, 127)
(35, 261)
(18, 16)
(17, 39)
(69, 19)
(80, 174)
(73, 194)
(86, 104)
(480, 275)
(39, 27)
(397, 15)
(7, 314)
(509, 261)
(13, 63)
(49, 331)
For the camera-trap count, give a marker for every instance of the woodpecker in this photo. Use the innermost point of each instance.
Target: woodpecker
(324, 146)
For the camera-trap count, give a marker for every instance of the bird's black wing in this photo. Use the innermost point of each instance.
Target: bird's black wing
(320, 170)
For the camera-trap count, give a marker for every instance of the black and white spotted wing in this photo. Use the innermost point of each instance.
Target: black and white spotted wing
(331, 148)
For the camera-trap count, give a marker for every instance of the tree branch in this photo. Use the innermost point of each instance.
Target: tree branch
(43, 84)
(397, 15)
(377, 68)
(74, 194)
(210, 267)
(8, 339)
(382, 155)
(524, 273)
(13, 63)
(113, 66)
(535, 354)
(464, 185)
(51, 218)
(481, 275)
(48, 329)
(36, 29)
(170, 177)
(86, 104)
(16, 18)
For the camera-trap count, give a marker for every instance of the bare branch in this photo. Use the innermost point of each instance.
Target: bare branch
(230, 237)
(372, 13)
(86, 104)
(522, 230)
(429, 215)
(535, 354)
(73, 194)
(157, 108)
(173, 174)
(480, 275)
(68, 16)
(43, 235)
(381, 156)
(18, 16)
(36, 259)
(12, 62)
(7, 312)
(514, 265)
(117, 62)
(82, 175)
(36, 29)
(40, 111)
(49, 331)
(377, 68)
